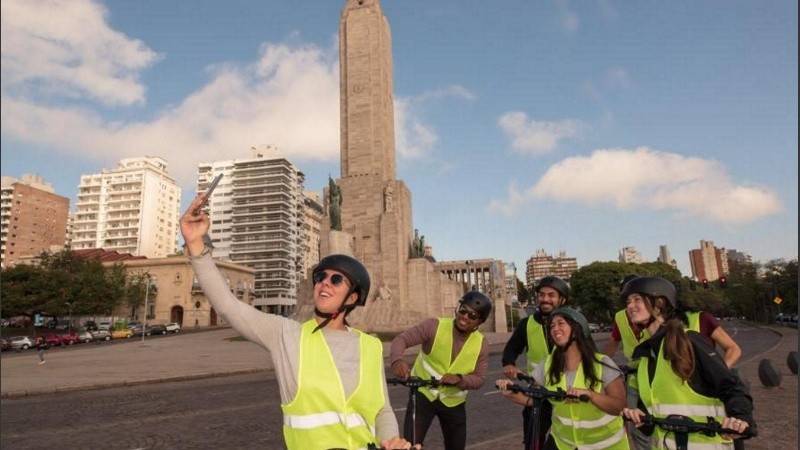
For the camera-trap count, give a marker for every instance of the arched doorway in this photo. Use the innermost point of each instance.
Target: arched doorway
(213, 318)
(176, 315)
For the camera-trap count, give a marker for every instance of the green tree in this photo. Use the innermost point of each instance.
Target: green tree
(523, 295)
(595, 287)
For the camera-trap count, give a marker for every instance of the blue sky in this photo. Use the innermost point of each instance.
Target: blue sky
(570, 126)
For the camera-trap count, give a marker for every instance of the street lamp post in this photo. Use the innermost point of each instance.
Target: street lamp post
(69, 324)
(146, 295)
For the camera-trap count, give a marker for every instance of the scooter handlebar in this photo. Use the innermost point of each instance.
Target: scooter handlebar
(542, 392)
(683, 424)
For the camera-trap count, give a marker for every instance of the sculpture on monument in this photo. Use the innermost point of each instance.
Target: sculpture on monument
(335, 204)
(418, 246)
(388, 197)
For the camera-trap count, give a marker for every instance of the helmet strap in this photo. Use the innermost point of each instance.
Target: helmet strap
(343, 308)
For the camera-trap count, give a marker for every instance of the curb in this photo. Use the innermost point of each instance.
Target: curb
(124, 383)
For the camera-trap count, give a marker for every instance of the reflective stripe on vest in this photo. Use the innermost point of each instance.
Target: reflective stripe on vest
(319, 415)
(437, 363)
(583, 425)
(537, 344)
(669, 394)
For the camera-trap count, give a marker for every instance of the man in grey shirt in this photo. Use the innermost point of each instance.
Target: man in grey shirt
(315, 415)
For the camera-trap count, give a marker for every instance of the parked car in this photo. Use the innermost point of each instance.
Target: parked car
(21, 342)
(104, 326)
(53, 340)
(90, 325)
(4, 344)
(173, 327)
(133, 324)
(69, 338)
(122, 334)
(85, 337)
(155, 329)
(102, 335)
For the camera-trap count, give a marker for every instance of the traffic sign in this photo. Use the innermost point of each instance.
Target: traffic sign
(777, 300)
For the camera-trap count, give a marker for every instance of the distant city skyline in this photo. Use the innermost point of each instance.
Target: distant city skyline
(583, 128)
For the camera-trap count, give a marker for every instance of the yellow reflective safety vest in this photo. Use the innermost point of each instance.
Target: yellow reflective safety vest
(320, 416)
(438, 363)
(668, 394)
(629, 340)
(583, 425)
(535, 333)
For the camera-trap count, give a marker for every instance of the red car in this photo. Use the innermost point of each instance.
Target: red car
(53, 340)
(69, 338)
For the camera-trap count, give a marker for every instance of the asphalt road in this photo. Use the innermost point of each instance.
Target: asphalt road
(241, 411)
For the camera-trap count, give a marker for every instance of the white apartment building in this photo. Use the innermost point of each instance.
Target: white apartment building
(258, 220)
(630, 255)
(131, 209)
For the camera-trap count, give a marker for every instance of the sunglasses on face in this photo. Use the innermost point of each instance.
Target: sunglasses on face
(463, 311)
(336, 278)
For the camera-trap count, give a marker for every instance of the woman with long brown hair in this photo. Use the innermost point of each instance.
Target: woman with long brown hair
(678, 372)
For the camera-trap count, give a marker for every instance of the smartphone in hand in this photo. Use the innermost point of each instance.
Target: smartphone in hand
(210, 189)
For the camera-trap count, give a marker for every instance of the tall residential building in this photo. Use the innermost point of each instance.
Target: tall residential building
(33, 218)
(739, 257)
(542, 265)
(258, 218)
(313, 213)
(630, 255)
(511, 281)
(665, 257)
(708, 262)
(131, 209)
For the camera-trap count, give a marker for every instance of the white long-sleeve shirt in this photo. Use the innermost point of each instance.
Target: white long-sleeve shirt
(281, 337)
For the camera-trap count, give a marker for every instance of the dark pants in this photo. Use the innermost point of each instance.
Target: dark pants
(452, 420)
(544, 425)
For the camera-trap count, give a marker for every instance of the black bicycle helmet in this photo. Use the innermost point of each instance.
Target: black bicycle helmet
(352, 268)
(625, 281)
(556, 283)
(652, 287)
(576, 317)
(479, 302)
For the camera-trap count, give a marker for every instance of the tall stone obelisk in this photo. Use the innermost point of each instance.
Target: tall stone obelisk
(376, 207)
(376, 210)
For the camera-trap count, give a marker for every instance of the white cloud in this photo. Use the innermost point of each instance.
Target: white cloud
(568, 19)
(530, 137)
(414, 138)
(289, 97)
(65, 48)
(647, 179)
(617, 78)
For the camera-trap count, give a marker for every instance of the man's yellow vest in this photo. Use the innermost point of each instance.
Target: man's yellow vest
(537, 344)
(319, 416)
(669, 394)
(438, 363)
(583, 425)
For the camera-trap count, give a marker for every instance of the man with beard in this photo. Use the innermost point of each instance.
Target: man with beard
(454, 353)
(532, 336)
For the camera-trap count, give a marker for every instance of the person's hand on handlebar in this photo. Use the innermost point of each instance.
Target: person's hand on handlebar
(451, 379)
(575, 395)
(634, 415)
(400, 369)
(510, 371)
(515, 397)
(732, 423)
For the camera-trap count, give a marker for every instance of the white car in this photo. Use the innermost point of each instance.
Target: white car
(173, 327)
(21, 342)
(104, 326)
(85, 337)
